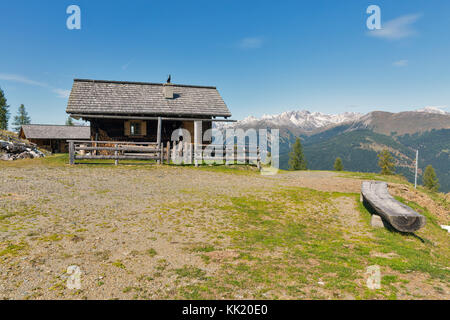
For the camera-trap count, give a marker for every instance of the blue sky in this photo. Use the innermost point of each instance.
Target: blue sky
(265, 57)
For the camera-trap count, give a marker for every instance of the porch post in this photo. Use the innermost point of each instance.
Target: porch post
(71, 153)
(158, 138)
(197, 140)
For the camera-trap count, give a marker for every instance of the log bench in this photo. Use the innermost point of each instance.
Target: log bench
(398, 215)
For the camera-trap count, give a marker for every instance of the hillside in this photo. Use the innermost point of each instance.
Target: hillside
(171, 232)
(402, 123)
(359, 148)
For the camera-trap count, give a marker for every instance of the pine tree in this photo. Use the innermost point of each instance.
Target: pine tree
(338, 166)
(297, 160)
(386, 162)
(430, 180)
(21, 118)
(4, 112)
(69, 122)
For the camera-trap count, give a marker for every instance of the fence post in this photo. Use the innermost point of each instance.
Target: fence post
(168, 152)
(71, 153)
(116, 161)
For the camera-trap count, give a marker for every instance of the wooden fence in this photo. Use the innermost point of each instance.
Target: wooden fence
(170, 153)
(114, 150)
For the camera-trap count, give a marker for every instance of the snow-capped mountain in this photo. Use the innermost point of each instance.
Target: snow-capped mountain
(303, 120)
(431, 109)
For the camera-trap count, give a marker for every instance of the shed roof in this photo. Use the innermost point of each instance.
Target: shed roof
(45, 131)
(143, 98)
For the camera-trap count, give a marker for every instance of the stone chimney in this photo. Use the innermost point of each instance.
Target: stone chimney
(168, 90)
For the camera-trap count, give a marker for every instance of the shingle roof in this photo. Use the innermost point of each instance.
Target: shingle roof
(115, 97)
(44, 131)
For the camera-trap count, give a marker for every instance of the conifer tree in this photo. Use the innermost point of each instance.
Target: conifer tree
(4, 112)
(338, 166)
(386, 162)
(21, 118)
(297, 159)
(430, 180)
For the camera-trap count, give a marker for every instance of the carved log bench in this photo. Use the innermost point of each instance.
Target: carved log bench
(397, 214)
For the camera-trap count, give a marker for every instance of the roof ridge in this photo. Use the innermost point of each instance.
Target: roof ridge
(143, 83)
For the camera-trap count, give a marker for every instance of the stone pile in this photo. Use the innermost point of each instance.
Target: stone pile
(18, 150)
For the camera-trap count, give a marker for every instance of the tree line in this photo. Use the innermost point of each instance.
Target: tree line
(386, 162)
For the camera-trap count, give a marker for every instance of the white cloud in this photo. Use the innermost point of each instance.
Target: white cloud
(21, 79)
(399, 28)
(251, 43)
(61, 93)
(400, 63)
(125, 66)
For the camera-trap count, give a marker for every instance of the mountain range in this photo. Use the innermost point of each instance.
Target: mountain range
(358, 138)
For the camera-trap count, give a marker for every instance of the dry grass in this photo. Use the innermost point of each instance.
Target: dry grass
(158, 232)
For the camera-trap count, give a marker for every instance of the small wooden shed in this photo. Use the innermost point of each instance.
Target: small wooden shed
(53, 138)
(145, 112)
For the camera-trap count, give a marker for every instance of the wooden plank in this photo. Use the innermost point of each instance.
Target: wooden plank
(119, 148)
(118, 157)
(399, 215)
(112, 142)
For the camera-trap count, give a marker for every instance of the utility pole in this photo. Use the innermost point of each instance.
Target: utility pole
(417, 161)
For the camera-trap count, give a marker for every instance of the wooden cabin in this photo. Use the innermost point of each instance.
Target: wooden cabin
(145, 112)
(53, 138)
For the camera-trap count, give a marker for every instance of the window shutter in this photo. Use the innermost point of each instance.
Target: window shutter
(127, 128)
(144, 128)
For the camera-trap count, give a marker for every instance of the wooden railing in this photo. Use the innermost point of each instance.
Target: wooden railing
(114, 150)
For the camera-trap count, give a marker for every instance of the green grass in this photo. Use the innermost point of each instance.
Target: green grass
(119, 264)
(190, 272)
(12, 249)
(287, 244)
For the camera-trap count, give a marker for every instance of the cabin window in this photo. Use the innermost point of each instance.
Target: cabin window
(135, 129)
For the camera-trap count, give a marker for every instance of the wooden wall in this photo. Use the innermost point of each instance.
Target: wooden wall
(51, 145)
(117, 129)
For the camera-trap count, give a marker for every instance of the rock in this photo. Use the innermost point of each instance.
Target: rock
(376, 221)
(74, 279)
(18, 150)
(373, 277)
(5, 157)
